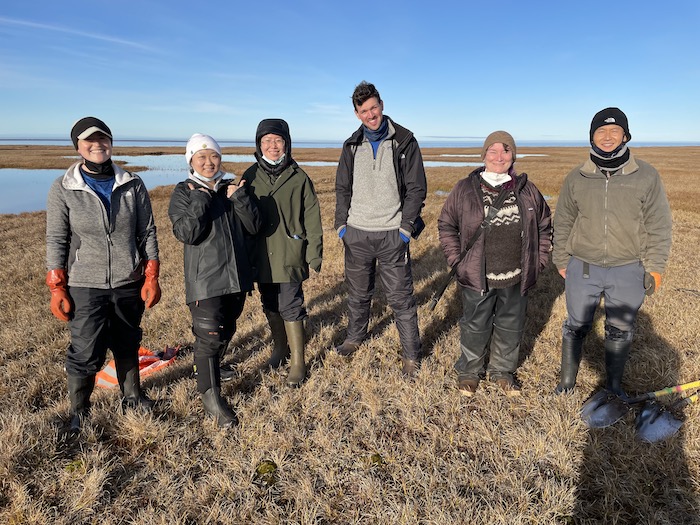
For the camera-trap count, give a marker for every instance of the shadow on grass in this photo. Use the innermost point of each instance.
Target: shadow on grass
(623, 479)
(381, 315)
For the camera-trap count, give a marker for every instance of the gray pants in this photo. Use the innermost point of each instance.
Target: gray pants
(497, 317)
(622, 288)
(364, 252)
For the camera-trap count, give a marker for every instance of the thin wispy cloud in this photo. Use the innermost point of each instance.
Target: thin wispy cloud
(73, 32)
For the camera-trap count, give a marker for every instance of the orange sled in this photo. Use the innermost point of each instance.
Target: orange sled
(149, 362)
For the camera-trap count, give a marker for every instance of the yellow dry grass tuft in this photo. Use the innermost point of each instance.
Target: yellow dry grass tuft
(356, 443)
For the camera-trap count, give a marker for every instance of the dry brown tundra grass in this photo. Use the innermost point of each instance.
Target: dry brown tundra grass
(356, 443)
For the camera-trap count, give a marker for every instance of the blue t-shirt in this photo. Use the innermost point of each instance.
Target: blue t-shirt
(103, 188)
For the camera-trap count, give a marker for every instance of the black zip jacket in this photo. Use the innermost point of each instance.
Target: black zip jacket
(410, 176)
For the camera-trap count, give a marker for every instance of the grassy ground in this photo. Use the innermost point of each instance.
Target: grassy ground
(356, 443)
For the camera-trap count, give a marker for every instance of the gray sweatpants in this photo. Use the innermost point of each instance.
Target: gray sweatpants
(622, 288)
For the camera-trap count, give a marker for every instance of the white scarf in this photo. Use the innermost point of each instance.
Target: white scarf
(274, 162)
(495, 179)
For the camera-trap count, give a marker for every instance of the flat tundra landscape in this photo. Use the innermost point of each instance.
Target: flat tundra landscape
(356, 443)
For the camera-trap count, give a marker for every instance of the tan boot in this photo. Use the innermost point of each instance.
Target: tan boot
(296, 339)
(280, 348)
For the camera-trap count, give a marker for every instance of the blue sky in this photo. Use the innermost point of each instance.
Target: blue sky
(444, 69)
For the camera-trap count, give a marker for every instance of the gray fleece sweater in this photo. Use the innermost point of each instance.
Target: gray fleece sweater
(97, 250)
(375, 203)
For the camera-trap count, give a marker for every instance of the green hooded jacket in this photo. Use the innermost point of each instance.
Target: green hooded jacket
(291, 238)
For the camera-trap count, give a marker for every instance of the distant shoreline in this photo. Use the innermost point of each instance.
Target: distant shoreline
(312, 144)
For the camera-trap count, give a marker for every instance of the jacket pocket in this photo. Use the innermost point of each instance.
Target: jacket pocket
(295, 251)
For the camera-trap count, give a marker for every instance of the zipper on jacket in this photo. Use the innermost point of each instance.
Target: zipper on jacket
(605, 222)
(107, 228)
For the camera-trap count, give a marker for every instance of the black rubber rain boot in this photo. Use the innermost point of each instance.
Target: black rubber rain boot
(571, 352)
(79, 391)
(130, 385)
(209, 386)
(296, 338)
(280, 348)
(616, 355)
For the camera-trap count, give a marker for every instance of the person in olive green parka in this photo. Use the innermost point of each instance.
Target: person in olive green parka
(288, 244)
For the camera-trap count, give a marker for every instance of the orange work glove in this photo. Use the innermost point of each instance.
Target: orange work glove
(150, 291)
(652, 282)
(61, 304)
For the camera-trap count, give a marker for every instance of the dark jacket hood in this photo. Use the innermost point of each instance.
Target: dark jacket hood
(278, 127)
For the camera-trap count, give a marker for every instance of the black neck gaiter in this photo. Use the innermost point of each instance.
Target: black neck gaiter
(611, 161)
(102, 171)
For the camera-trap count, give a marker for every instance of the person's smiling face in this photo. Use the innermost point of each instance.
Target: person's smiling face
(272, 146)
(499, 158)
(206, 162)
(370, 113)
(96, 148)
(608, 138)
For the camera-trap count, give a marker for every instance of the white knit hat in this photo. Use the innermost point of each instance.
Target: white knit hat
(199, 142)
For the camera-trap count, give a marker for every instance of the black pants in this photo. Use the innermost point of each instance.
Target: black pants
(287, 299)
(213, 325)
(104, 319)
(364, 252)
(492, 321)
(214, 322)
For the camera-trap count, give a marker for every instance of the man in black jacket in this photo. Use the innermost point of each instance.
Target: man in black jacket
(380, 188)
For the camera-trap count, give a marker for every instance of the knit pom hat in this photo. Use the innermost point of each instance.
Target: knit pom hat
(610, 116)
(199, 142)
(499, 136)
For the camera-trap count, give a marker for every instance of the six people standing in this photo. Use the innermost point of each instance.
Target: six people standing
(612, 236)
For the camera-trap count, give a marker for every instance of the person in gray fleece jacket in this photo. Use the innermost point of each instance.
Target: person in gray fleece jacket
(102, 261)
(612, 237)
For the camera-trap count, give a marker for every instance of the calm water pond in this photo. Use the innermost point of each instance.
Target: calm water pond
(26, 190)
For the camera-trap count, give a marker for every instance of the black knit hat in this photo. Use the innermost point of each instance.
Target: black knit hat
(610, 116)
(85, 127)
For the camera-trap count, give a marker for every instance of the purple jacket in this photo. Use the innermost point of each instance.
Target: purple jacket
(463, 213)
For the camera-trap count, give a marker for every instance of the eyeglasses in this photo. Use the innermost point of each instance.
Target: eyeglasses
(270, 142)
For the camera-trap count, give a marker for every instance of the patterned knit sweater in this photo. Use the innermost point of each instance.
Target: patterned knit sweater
(502, 245)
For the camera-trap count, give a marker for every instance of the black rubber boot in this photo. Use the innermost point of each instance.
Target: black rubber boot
(296, 338)
(616, 355)
(215, 406)
(347, 348)
(130, 385)
(209, 386)
(79, 391)
(571, 352)
(280, 348)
